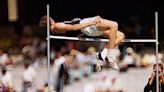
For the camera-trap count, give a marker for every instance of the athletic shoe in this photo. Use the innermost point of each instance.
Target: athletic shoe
(100, 59)
(112, 62)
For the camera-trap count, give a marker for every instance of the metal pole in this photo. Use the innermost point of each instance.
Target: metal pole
(48, 46)
(101, 40)
(156, 34)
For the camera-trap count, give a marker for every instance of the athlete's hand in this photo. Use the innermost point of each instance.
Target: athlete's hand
(153, 75)
(97, 20)
(98, 17)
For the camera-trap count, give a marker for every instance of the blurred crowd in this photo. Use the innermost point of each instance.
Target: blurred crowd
(68, 63)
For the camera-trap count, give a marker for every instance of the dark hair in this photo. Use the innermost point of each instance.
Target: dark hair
(159, 64)
(3, 71)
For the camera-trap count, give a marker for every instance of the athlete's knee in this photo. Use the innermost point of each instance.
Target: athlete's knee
(121, 36)
(114, 26)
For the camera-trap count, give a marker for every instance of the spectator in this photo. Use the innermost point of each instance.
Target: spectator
(2, 88)
(6, 78)
(92, 59)
(52, 54)
(151, 85)
(59, 60)
(29, 76)
(63, 77)
(79, 61)
(131, 59)
(4, 59)
(145, 60)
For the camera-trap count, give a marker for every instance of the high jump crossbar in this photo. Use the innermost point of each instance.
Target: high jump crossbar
(102, 40)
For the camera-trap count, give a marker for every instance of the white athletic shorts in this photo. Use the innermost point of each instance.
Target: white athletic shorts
(91, 30)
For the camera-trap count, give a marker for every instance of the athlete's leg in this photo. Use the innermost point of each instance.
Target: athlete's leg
(112, 35)
(112, 53)
(111, 47)
(119, 37)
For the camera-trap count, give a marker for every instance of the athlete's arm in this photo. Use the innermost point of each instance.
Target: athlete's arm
(69, 27)
(62, 28)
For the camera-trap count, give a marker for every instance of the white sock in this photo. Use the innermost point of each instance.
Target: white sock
(112, 54)
(113, 51)
(104, 53)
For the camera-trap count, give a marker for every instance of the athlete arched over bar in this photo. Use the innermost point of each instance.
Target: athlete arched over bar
(92, 26)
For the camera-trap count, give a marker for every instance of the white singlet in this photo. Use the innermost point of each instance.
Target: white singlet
(91, 30)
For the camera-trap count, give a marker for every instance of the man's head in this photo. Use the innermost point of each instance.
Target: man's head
(129, 50)
(43, 21)
(160, 67)
(26, 65)
(91, 50)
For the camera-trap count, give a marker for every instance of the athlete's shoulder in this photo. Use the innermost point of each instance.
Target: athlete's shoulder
(60, 24)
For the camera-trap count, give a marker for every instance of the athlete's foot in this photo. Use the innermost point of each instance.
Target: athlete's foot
(76, 19)
(98, 67)
(100, 59)
(114, 65)
(112, 61)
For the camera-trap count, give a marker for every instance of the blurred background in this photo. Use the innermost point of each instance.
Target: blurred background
(23, 46)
